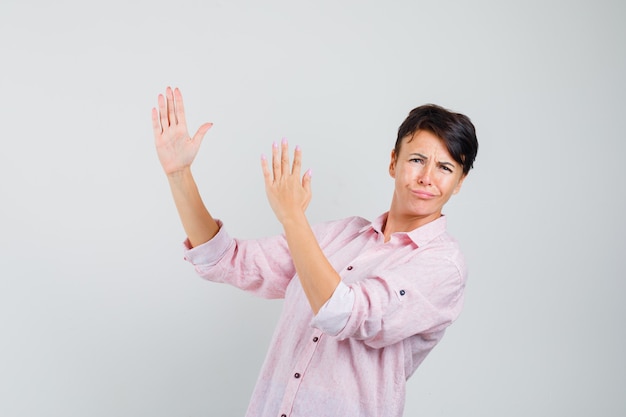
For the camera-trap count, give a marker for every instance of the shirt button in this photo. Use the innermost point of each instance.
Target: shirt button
(402, 292)
(297, 375)
(315, 339)
(349, 268)
(283, 415)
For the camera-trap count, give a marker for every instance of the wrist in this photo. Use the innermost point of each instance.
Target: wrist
(295, 219)
(179, 174)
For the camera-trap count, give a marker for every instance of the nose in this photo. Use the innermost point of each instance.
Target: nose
(424, 175)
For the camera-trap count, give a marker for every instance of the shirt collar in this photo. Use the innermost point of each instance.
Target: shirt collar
(420, 236)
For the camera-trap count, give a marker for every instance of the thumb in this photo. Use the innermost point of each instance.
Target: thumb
(306, 181)
(202, 131)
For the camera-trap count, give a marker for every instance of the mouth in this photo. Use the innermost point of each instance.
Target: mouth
(423, 194)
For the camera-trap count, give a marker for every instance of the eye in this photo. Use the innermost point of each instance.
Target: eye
(445, 168)
(418, 160)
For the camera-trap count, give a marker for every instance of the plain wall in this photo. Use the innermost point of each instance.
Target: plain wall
(100, 315)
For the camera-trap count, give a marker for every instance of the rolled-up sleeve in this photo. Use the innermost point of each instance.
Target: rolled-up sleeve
(334, 314)
(208, 253)
(262, 267)
(421, 298)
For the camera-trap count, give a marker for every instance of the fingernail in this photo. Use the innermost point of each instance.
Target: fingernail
(298, 148)
(284, 142)
(263, 157)
(274, 144)
(309, 172)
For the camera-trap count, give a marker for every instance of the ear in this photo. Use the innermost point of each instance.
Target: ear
(458, 186)
(392, 164)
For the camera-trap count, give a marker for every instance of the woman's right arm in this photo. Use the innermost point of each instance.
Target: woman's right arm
(176, 150)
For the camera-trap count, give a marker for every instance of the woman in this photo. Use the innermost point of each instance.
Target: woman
(364, 302)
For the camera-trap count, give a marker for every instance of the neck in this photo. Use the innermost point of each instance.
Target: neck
(405, 223)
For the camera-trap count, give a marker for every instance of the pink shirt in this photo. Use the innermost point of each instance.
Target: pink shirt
(354, 357)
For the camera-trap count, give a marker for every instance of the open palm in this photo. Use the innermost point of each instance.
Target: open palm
(175, 147)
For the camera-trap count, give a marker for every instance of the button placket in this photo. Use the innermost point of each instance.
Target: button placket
(299, 371)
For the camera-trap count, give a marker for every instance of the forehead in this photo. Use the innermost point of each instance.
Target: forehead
(426, 143)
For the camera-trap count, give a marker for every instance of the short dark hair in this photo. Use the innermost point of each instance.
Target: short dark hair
(455, 129)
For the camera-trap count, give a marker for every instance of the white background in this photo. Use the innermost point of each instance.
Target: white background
(100, 315)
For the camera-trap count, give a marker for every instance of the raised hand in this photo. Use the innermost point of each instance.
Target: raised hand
(175, 147)
(288, 195)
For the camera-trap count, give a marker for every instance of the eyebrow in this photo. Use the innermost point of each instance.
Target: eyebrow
(450, 164)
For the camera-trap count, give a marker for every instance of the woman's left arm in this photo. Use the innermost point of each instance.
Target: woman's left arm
(289, 197)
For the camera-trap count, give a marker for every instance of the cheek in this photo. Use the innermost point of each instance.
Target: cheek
(410, 171)
(452, 186)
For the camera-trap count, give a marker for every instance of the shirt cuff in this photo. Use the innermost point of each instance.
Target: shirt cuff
(209, 252)
(334, 314)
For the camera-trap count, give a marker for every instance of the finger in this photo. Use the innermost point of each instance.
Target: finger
(171, 115)
(306, 184)
(163, 112)
(306, 181)
(276, 162)
(297, 161)
(156, 124)
(267, 175)
(179, 107)
(201, 132)
(284, 158)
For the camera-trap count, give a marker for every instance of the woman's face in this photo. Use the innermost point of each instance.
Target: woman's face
(425, 176)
